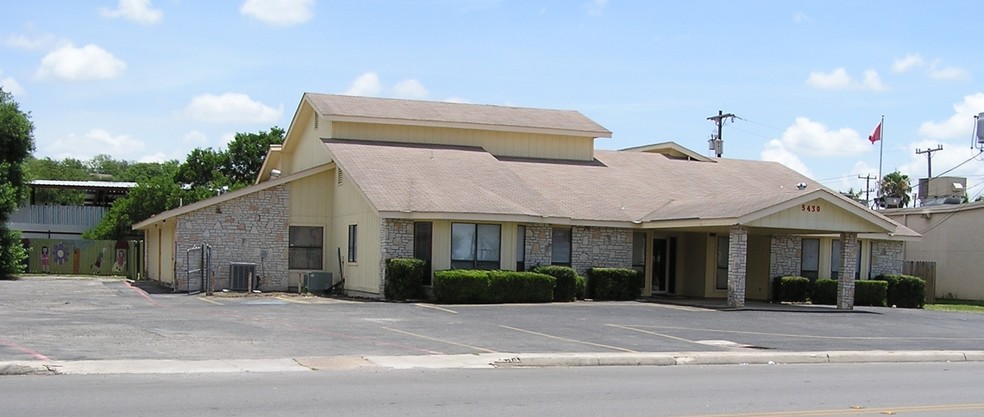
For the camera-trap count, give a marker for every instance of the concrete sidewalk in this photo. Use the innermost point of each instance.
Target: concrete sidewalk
(473, 361)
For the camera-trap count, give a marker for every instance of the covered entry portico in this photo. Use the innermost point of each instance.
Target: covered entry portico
(736, 256)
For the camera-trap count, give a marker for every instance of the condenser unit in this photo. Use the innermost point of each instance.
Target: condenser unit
(242, 276)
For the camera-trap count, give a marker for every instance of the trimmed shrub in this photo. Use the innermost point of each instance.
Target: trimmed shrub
(520, 287)
(616, 284)
(904, 291)
(566, 289)
(824, 292)
(791, 289)
(461, 286)
(581, 284)
(868, 292)
(404, 279)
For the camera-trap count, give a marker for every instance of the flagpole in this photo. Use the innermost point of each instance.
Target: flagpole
(881, 151)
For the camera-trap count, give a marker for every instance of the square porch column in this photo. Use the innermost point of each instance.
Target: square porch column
(848, 266)
(737, 260)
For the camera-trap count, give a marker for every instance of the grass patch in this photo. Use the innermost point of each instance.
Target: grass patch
(950, 304)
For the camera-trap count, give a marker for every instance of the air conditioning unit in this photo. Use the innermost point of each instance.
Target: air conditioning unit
(242, 276)
(317, 281)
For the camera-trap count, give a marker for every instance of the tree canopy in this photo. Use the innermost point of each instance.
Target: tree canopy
(896, 184)
(16, 144)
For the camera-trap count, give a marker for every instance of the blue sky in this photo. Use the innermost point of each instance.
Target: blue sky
(149, 80)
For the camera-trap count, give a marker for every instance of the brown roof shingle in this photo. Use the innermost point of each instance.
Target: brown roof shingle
(477, 115)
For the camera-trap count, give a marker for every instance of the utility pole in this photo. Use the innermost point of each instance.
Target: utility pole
(929, 159)
(716, 143)
(867, 188)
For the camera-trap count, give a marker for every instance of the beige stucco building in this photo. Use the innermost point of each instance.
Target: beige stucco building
(359, 180)
(953, 236)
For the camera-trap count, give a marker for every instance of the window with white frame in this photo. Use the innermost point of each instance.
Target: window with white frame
(475, 246)
(723, 254)
(560, 252)
(353, 236)
(810, 266)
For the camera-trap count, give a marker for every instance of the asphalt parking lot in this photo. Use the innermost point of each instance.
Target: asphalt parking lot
(65, 319)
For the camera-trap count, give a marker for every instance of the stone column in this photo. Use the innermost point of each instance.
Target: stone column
(737, 259)
(848, 265)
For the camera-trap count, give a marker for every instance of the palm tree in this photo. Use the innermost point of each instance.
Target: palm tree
(896, 184)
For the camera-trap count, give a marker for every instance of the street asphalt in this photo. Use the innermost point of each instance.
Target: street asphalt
(66, 325)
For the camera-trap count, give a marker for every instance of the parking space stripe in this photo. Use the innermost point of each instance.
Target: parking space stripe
(811, 336)
(210, 301)
(569, 340)
(13, 345)
(142, 293)
(855, 411)
(652, 333)
(436, 308)
(439, 340)
(291, 300)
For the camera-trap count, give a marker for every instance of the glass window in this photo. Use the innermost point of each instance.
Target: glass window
(639, 252)
(352, 242)
(422, 243)
(723, 253)
(475, 246)
(835, 258)
(520, 248)
(560, 252)
(305, 248)
(811, 259)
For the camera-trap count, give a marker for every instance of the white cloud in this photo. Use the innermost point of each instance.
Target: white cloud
(155, 157)
(775, 151)
(279, 12)
(367, 84)
(41, 42)
(11, 86)
(96, 141)
(872, 82)
(88, 62)
(457, 100)
(816, 139)
(597, 6)
(226, 139)
(800, 17)
(839, 79)
(194, 138)
(907, 62)
(138, 11)
(410, 89)
(232, 107)
(960, 124)
(947, 73)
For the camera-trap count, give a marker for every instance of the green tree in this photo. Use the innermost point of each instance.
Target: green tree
(203, 168)
(49, 169)
(896, 184)
(247, 152)
(104, 167)
(16, 144)
(145, 200)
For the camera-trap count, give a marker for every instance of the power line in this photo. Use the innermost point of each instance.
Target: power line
(717, 142)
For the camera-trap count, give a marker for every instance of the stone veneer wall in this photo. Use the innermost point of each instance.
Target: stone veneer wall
(886, 257)
(600, 247)
(396, 237)
(737, 265)
(786, 256)
(538, 245)
(848, 264)
(251, 228)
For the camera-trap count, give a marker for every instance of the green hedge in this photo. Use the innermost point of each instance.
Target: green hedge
(461, 286)
(582, 287)
(520, 287)
(464, 286)
(616, 284)
(566, 289)
(404, 279)
(791, 289)
(870, 292)
(824, 292)
(904, 291)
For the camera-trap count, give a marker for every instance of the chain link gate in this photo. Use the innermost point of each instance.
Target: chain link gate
(198, 275)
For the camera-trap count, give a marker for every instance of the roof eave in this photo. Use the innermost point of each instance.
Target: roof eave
(462, 125)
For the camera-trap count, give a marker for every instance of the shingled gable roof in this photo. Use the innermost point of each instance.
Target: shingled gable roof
(461, 115)
(626, 188)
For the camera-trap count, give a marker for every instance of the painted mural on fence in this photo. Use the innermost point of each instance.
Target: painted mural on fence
(79, 257)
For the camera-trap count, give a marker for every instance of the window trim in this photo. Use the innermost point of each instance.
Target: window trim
(291, 246)
(353, 243)
(475, 262)
(570, 247)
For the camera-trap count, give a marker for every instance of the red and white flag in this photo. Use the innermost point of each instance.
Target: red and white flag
(876, 135)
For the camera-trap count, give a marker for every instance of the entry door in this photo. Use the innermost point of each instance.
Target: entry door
(661, 266)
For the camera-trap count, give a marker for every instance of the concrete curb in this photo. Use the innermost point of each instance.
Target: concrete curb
(479, 361)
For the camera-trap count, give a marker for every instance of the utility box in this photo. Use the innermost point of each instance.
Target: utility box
(317, 281)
